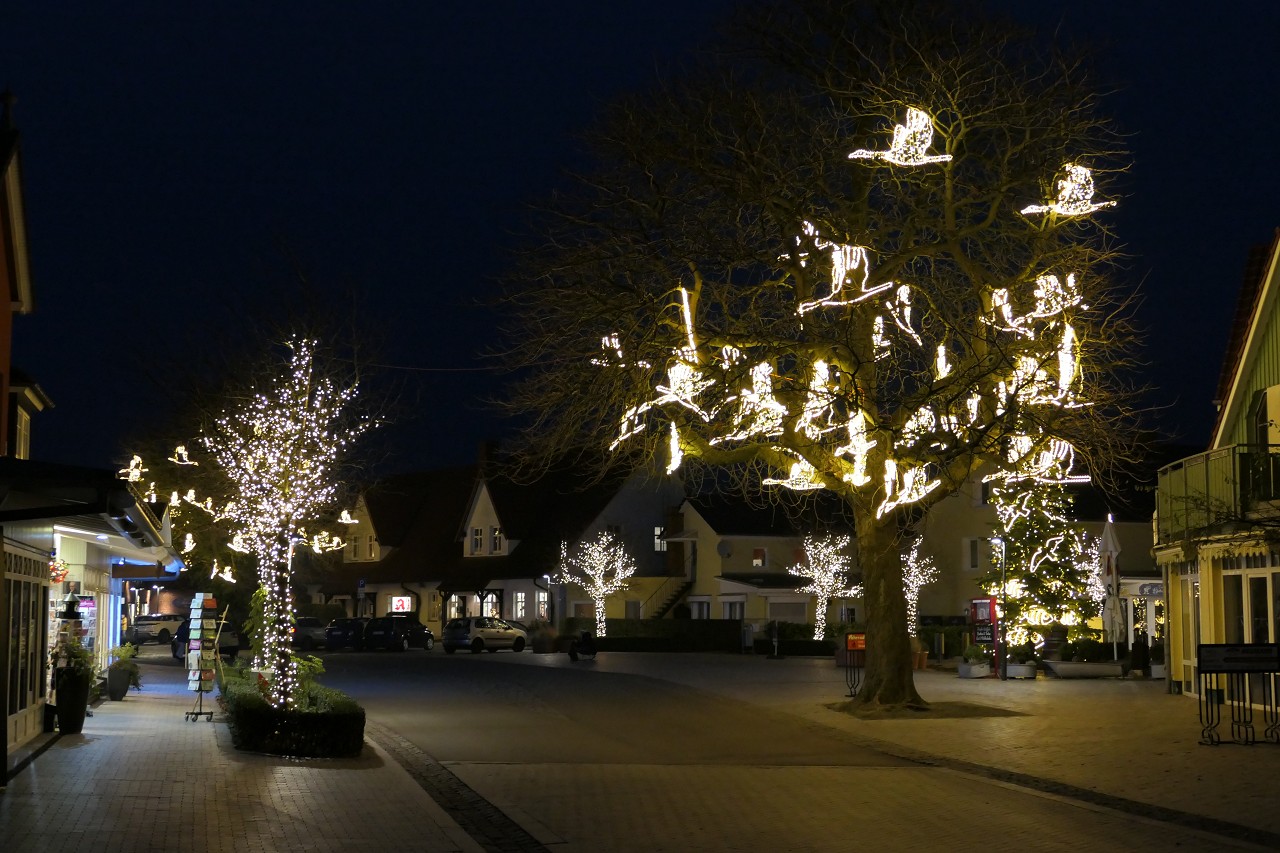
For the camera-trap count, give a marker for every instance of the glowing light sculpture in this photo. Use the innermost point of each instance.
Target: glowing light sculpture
(826, 567)
(1075, 195)
(917, 571)
(911, 142)
(601, 567)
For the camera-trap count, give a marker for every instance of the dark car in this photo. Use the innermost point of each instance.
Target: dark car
(347, 632)
(399, 633)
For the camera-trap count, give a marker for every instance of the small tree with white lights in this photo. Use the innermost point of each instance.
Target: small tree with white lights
(600, 567)
(917, 571)
(826, 565)
(276, 452)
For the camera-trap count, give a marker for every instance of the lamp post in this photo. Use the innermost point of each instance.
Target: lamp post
(1004, 598)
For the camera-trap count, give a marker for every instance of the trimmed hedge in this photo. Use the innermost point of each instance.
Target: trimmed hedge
(331, 725)
(795, 648)
(661, 635)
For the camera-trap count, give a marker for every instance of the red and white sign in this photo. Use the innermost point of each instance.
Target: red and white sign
(402, 604)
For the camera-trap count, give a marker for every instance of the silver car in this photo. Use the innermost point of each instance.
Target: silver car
(479, 633)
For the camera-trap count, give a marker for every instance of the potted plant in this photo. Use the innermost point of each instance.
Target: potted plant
(977, 662)
(123, 672)
(919, 654)
(73, 677)
(1023, 662)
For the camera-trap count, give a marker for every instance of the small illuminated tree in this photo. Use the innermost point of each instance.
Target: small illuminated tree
(826, 566)
(916, 572)
(1050, 566)
(600, 567)
(276, 451)
(871, 265)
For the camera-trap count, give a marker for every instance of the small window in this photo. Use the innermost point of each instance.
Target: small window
(495, 540)
(477, 540)
(699, 609)
(517, 605)
(732, 609)
(542, 605)
(758, 558)
(373, 548)
(659, 544)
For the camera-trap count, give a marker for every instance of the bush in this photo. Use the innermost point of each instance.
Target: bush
(326, 723)
(807, 647)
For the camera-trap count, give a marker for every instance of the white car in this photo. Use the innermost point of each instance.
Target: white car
(481, 633)
(155, 626)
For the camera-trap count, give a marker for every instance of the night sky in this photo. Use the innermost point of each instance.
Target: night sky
(172, 150)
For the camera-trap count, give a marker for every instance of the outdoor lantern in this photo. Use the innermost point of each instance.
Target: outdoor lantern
(70, 606)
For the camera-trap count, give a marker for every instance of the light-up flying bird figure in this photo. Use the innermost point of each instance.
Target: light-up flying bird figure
(1075, 195)
(911, 143)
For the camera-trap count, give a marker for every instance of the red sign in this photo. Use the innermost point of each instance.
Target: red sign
(401, 604)
(855, 642)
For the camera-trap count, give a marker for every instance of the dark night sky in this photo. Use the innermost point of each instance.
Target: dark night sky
(171, 148)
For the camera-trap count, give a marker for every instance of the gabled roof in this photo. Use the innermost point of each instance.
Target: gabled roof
(396, 504)
(537, 516)
(1256, 306)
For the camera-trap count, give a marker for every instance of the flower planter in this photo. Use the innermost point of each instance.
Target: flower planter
(1086, 669)
(1157, 670)
(73, 700)
(117, 684)
(1021, 670)
(973, 670)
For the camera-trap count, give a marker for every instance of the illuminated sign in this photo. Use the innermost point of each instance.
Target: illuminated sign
(402, 604)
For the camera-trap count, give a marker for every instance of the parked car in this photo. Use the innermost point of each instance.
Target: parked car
(308, 632)
(154, 626)
(347, 632)
(480, 633)
(229, 640)
(398, 632)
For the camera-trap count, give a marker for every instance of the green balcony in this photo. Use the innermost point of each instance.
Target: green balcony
(1217, 492)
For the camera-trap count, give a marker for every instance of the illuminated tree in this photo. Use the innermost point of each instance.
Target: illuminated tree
(807, 266)
(826, 566)
(916, 572)
(1050, 566)
(275, 453)
(600, 567)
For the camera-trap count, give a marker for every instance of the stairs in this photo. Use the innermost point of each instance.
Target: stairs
(672, 600)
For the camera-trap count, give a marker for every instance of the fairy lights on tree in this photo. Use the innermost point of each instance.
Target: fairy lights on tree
(1050, 565)
(826, 566)
(746, 296)
(917, 571)
(277, 451)
(601, 567)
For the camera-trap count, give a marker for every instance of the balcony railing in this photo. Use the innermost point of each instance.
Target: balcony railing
(1218, 491)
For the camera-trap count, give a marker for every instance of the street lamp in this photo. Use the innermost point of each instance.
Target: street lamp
(1004, 598)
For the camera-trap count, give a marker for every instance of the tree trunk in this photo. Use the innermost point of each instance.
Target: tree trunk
(888, 679)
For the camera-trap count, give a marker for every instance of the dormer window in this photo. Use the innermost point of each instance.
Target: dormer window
(477, 540)
(495, 540)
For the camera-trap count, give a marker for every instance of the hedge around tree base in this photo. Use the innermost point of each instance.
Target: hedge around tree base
(330, 726)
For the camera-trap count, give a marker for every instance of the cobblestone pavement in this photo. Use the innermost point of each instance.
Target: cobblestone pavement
(1045, 766)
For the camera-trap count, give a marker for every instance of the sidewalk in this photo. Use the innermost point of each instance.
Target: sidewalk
(1120, 742)
(143, 778)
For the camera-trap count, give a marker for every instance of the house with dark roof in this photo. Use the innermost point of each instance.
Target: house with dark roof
(736, 556)
(403, 544)
(512, 535)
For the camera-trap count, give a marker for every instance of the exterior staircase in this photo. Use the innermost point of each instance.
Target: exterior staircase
(672, 600)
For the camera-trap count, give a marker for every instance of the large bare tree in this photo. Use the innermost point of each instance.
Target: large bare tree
(857, 249)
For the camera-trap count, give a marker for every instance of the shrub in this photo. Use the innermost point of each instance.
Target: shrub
(123, 659)
(325, 723)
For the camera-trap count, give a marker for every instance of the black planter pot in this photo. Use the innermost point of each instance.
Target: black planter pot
(73, 700)
(117, 684)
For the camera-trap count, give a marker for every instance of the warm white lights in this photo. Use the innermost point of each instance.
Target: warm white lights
(1075, 195)
(600, 567)
(826, 566)
(911, 142)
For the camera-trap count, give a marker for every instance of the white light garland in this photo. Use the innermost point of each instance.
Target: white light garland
(917, 571)
(826, 566)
